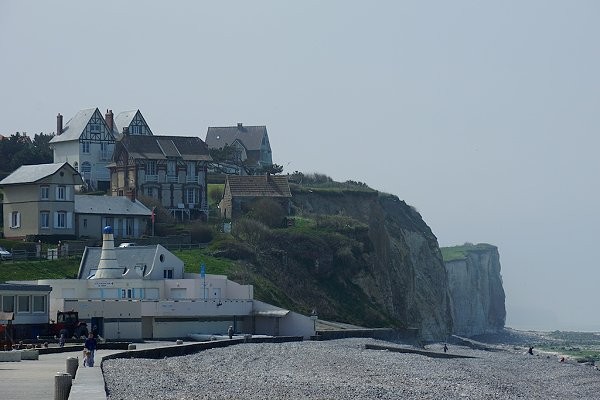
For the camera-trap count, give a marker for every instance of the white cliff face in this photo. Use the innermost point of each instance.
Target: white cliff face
(476, 293)
(403, 273)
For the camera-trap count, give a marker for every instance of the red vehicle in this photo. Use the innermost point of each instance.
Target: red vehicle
(67, 322)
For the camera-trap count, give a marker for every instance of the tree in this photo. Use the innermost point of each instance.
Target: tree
(19, 149)
(272, 169)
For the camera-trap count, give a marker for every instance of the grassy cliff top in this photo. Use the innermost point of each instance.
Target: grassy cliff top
(457, 253)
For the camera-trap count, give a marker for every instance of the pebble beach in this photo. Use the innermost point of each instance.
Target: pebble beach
(345, 369)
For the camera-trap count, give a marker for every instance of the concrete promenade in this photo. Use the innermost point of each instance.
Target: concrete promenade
(34, 379)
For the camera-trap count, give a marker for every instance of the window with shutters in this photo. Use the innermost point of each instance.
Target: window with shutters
(61, 193)
(15, 219)
(61, 220)
(44, 219)
(191, 195)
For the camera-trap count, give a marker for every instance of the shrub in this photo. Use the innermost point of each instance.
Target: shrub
(161, 214)
(215, 194)
(201, 233)
(251, 231)
(267, 211)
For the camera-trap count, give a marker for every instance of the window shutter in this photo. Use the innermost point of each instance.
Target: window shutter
(9, 218)
(18, 220)
(69, 220)
(56, 190)
(68, 193)
(56, 219)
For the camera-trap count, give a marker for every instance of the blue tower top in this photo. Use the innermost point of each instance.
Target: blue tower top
(107, 229)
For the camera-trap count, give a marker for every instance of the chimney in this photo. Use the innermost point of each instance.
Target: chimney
(109, 117)
(59, 125)
(125, 130)
(240, 126)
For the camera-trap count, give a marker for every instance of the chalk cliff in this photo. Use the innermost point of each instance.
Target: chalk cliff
(403, 271)
(367, 258)
(476, 292)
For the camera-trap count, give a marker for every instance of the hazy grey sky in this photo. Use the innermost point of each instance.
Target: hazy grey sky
(481, 114)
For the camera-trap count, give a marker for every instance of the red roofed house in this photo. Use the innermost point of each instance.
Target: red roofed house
(240, 191)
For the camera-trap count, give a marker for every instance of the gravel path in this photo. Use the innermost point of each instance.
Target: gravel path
(343, 369)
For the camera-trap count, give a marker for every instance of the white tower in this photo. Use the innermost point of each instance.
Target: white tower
(108, 268)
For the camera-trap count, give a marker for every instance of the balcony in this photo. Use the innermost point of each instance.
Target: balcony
(191, 179)
(172, 178)
(151, 178)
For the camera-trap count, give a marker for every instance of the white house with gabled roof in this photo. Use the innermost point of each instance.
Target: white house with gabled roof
(87, 142)
(130, 122)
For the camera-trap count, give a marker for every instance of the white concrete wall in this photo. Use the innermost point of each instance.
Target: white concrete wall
(294, 324)
(66, 151)
(181, 329)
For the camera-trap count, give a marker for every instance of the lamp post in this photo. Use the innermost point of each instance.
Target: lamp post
(314, 317)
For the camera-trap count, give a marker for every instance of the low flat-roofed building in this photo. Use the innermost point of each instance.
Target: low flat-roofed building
(25, 307)
(143, 292)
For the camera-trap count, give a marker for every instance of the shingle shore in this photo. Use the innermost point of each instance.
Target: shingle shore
(344, 369)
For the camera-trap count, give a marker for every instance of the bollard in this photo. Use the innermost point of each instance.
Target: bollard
(62, 385)
(131, 346)
(179, 341)
(30, 354)
(72, 365)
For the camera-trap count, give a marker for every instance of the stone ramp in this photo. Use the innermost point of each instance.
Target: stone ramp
(426, 353)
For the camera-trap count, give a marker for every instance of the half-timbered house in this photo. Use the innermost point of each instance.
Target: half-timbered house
(87, 142)
(128, 122)
(171, 169)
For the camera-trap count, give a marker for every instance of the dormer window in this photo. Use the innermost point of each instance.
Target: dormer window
(95, 128)
(136, 130)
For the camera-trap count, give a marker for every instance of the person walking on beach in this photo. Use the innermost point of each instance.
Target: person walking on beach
(445, 348)
(530, 351)
(90, 345)
(230, 331)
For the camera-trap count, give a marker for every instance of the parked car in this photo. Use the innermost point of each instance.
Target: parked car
(127, 244)
(5, 254)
